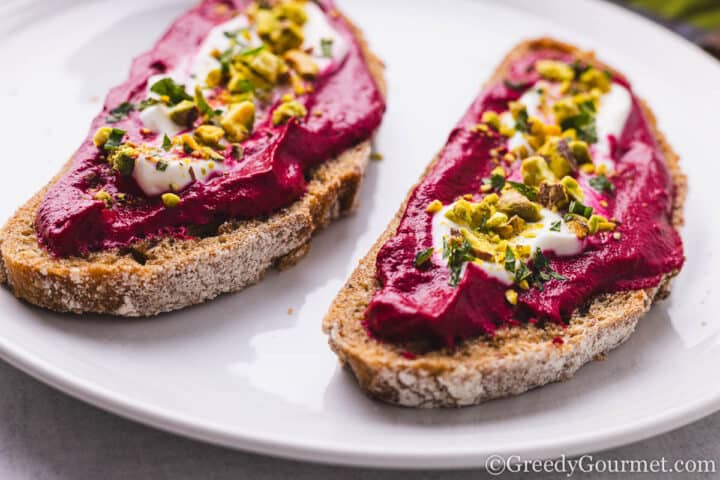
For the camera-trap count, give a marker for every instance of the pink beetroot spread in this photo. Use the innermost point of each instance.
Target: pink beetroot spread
(269, 176)
(415, 303)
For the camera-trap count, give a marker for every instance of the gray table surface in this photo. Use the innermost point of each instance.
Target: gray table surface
(45, 434)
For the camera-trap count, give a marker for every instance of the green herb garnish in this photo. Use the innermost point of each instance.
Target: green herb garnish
(509, 259)
(326, 45)
(583, 123)
(495, 181)
(252, 51)
(579, 209)
(456, 253)
(120, 112)
(602, 184)
(555, 226)
(167, 143)
(202, 103)
(115, 139)
(161, 165)
(521, 122)
(542, 271)
(167, 87)
(526, 190)
(422, 257)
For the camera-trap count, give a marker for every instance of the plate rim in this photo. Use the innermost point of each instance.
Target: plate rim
(400, 456)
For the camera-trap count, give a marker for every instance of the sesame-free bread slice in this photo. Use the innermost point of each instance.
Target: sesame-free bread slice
(160, 276)
(512, 361)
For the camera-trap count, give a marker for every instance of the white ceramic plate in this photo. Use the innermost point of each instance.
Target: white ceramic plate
(242, 371)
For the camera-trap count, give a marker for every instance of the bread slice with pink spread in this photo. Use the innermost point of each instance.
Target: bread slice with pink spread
(534, 242)
(243, 131)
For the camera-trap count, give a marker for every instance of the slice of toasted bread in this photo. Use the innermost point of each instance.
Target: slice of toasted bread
(155, 277)
(512, 361)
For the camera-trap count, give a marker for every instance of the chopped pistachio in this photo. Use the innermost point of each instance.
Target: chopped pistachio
(302, 63)
(213, 78)
(572, 187)
(511, 296)
(558, 156)
(184, 113)
(580, 151)
(434, 206)
(554, 70)
(266, 65)
(287, 110)
(209, 135)
(594, 78)
(588, 168)
(238, 121)
(513, 202)
(492, 119)
(170, 200)
(101, 136)
(598, 223)
(552, 195)
(104, 196)
(535, 170)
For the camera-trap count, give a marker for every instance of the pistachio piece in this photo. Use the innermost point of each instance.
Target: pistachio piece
(573, 188)
(535, 170)
(184, 113)
(302, 63)
(552, 195)
(293, 11)
(266, 65)
(101, 136)
(170, 200)
(287, 110)
(123, 159)
(492, 119)
(577, 225)
(558, 156)
(598, 223)
(554, 70)
(594, 78)
(238, 121)
(209, 135)
(513, 202)
(580, 151)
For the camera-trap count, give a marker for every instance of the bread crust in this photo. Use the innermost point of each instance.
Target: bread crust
(154, 277)
(515, 359)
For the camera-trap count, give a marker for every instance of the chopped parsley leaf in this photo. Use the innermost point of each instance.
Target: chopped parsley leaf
(579, 209)
(521, 122)
(161, 165)
(495, 181)
(115, 139)
(167, 87)
(167, 144)
(202, 103)
(422, 257)
(120, 112)
(555, 226)
(583, 123)
(602, 184)
(509, 259)
(526, 190)
(456, 253)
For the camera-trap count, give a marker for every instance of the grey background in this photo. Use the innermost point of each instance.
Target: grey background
(45, 434)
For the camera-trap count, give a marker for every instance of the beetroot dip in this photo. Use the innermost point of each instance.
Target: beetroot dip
(419, 303)
(270, 175)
